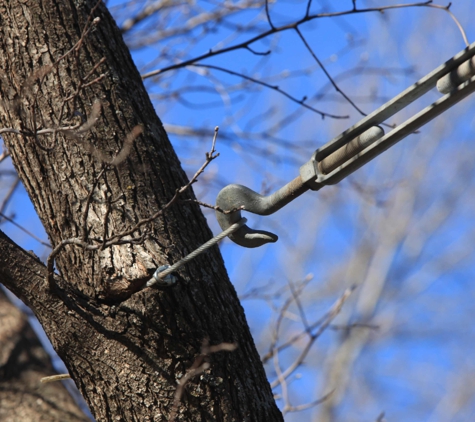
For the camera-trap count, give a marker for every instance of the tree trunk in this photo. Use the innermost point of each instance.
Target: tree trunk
(23, 362)
(125, 347)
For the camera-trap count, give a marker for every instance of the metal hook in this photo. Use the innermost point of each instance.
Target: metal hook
(238, 197)
(352, 149)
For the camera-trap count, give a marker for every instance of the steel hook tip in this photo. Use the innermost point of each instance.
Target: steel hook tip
(238, 197)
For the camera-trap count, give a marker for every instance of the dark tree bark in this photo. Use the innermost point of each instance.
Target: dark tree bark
(125, 348)
(23, 362)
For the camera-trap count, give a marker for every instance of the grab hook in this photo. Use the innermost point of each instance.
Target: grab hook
(235, 198)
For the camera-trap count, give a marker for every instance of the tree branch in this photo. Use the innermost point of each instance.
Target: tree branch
(294, 25)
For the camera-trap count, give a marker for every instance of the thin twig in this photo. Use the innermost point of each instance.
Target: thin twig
(210, 156)
(52, 378)
(117, 239)
(459, 25)
(285, 306)
(300, 407)
(328, 74)
(296, 296)
(213, 207)
(336, 308)
(9, 194)
(5, 154)
(268, 16)
(309, 5)
(25, 231)
(274, 87)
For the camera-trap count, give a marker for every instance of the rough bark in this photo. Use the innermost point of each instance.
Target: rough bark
(125, 348)
(23, 362)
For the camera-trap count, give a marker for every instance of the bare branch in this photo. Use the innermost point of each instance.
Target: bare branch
(268, 16)
(309, 5)
(147, 11)
(288, 408)
(6, 200)
(213, 207)
(326, 72)
(457, 22)
(25, 230)
(271, 31)
(275, 88)
(334, 311)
